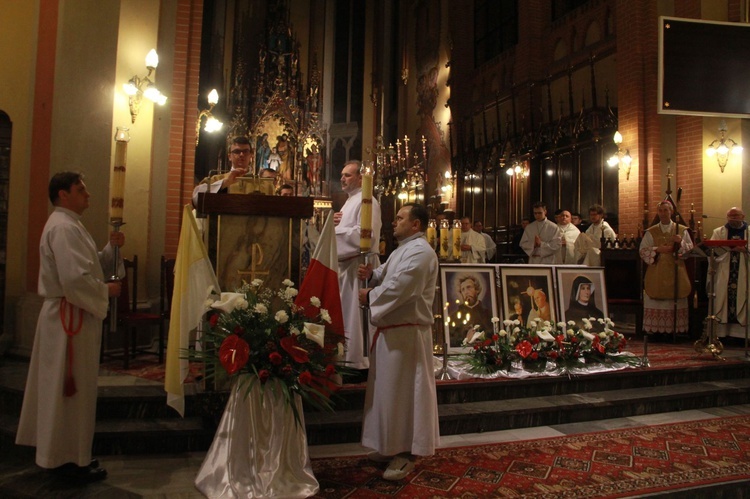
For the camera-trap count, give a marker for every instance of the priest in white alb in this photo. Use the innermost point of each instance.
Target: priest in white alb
(731, 286)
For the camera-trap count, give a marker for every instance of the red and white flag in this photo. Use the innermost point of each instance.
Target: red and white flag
(322, 281)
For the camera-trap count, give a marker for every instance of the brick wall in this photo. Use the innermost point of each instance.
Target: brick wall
(184, 103)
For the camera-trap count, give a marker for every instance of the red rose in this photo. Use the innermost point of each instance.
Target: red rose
(305, 377)
(524, 348)
(275, 358)
(264, 374)
(486, 343)
(476, 346)
(330, 370)
(213, 320)
(534, 355)
(495, 337)
(234, 353)
(291, 346)
(287, 369)
(535, 340)
(553, 354)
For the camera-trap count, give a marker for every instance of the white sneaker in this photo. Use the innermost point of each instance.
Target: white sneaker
(379, 458)
(398, 469)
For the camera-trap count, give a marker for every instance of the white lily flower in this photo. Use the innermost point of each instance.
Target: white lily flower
(587, 335)
(502, 333)
(229, 302)
(476, 336)
(340, 349)
(315, 332)
(516, 330)
(545, 336)
(495, 320)
(507, 322)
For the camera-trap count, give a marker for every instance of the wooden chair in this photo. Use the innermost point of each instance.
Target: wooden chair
(129, 319)
(623, 274)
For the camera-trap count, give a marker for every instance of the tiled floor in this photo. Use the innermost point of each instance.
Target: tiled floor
(171, 476)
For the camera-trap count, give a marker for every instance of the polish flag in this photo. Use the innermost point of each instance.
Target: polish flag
(322, 281)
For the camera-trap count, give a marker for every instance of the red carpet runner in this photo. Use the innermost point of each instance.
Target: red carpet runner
(618, 463)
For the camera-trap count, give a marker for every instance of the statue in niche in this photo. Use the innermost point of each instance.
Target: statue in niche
(262, 153)
(314, 162)
(284, 152)
(274, 160)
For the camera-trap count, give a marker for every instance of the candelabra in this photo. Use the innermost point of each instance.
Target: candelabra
(401, 171)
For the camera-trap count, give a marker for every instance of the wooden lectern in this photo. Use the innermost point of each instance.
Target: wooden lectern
(255, 236)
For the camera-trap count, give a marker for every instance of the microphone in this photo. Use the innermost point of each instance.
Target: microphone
(679, 194)
(709, 216)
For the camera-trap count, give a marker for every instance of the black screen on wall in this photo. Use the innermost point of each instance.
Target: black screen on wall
(704, 68)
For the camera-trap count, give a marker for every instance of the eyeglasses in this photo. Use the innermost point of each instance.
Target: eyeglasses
(240, 151)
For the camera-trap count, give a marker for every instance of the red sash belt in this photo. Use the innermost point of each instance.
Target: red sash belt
(72, 328)
(386, 328)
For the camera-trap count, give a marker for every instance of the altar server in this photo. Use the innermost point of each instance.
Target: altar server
(400, 415)
(59, 404)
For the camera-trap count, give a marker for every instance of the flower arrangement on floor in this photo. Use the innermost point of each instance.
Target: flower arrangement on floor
(541, 341)
(257, 334)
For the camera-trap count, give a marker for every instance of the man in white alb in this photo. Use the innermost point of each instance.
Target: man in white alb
(489, 243)
(347, 222)
(568, 235)
(598, 229)
(541, 238)
(400, 415)
(472, 243)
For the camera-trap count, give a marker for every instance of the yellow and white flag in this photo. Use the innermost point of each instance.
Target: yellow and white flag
(194, 281)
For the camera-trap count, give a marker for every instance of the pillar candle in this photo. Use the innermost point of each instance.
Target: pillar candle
(444, 229)
(122, 137)
(365, 222)
(457, 240)
(431, 233)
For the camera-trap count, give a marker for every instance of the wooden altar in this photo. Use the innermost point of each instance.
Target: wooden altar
(255, 236)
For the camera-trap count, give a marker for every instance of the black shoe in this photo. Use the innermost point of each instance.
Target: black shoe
(81, 474)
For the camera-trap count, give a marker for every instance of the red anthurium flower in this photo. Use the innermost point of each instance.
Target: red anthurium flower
(559, 339)
(600, 348)
(264, 374)
(524, 348)
(234, 353)
(291, 346)
(275, 358)
(305, 377)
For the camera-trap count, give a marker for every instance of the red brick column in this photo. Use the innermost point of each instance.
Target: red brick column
(184, 105)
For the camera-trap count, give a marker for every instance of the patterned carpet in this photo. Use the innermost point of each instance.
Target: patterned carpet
(620, 463)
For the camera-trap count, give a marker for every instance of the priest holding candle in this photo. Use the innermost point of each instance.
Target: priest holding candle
(358, 227)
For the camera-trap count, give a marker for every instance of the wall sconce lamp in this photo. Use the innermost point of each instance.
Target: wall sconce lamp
(722, 146)
(516, 170)
(212, 124)
(136, 88)
(620, 159)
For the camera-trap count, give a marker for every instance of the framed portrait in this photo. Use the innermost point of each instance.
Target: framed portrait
(528, 293)
(469, 295)
(582, 294)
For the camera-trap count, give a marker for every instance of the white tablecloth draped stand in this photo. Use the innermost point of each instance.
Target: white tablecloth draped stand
(258, 450)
